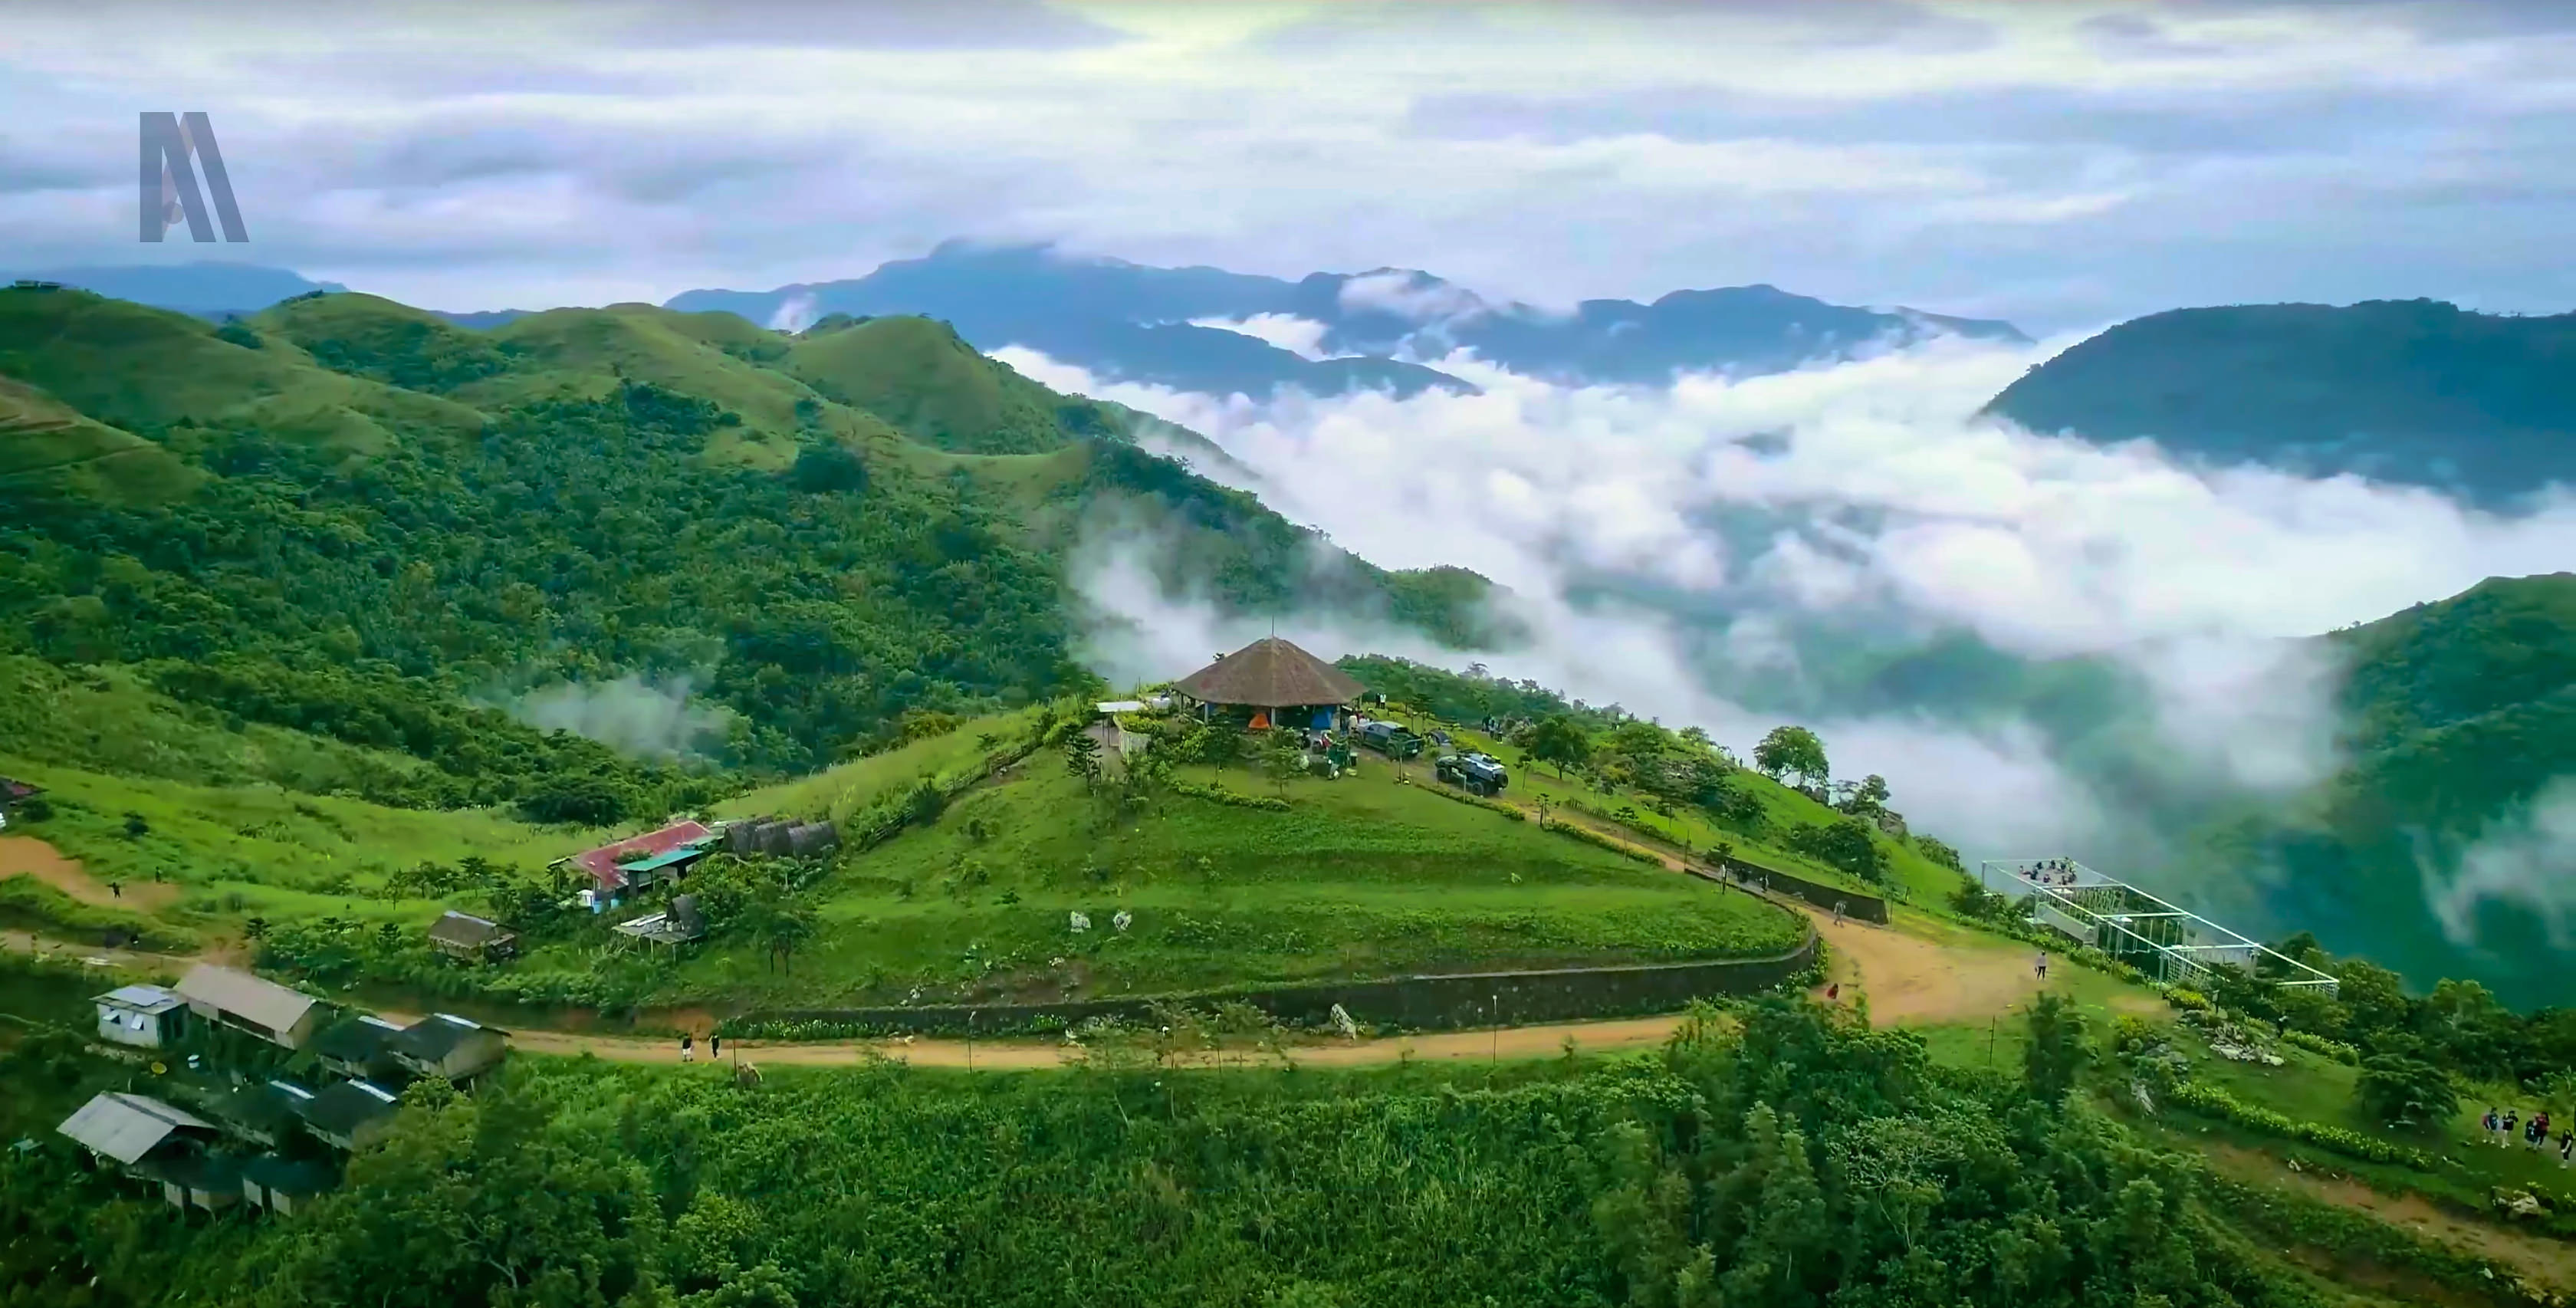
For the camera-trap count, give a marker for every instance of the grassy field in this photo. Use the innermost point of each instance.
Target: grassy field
(1913, 877)
(1362, 877)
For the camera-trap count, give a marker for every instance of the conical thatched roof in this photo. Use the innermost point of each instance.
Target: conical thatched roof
(1270, 673)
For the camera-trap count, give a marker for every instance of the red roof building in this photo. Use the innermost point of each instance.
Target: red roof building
(644, 858)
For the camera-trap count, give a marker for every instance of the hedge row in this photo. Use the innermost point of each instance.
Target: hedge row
(1478, 801)
(1591, 837)
(2317, 1044)
(1221, 795)
(2211, 1101)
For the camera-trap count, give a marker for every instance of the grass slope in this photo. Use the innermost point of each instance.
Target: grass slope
(2414, 390)
(2464, 712)
(1363, 877)
(46, 445)
(145, 370)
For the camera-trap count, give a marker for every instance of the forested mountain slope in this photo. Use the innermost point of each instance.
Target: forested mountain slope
(350, 516)
(2433, 851)
(2411, 391)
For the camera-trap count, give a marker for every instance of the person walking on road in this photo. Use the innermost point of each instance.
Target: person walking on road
(2505, 1140)
(2493, 1123)
(2039, 967)
(688, 1048)
(1838, 912)
(2566, 1144)
(715, 1048)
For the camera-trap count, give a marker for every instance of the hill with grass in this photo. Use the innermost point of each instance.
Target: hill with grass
(2440, 848)
(2412, 391)
(739, 549)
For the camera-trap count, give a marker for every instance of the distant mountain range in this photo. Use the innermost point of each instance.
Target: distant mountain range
(1217, 332)
(1195, 329)
(2411, 391)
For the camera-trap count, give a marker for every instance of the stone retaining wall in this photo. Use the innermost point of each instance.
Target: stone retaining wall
(1407, 1003)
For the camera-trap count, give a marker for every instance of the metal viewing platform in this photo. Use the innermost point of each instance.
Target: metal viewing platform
(2168, 943)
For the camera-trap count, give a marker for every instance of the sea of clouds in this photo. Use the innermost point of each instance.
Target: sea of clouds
(1698, 553)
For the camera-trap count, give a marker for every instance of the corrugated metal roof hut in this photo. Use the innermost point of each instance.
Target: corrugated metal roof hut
(474, 939)
(125, 1127)
(237, 999)
(1272, 677)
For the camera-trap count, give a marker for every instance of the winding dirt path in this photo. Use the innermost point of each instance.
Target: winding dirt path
(2547, 1261)
(26, 856)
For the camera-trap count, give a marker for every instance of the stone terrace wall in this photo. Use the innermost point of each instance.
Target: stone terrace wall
(1409, 1003)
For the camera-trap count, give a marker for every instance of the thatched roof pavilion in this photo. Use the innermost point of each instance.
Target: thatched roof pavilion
(1270, 673)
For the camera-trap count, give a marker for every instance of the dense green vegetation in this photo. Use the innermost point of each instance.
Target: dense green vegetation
(2462, 713)
(355, 520)
(2407, 390)
(1784, 1160)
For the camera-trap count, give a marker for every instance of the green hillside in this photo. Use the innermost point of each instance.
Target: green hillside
(388, 520)
(2462, 712)
(2411, 391)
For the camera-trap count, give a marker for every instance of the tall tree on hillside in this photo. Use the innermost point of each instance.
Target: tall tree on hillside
(1558, 740)
(2057, 1051)
(1788, 750)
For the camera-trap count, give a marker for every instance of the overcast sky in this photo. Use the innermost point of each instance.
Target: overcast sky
(2060, 164)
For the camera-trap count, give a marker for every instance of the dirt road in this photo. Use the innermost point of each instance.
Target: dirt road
(1909, 981)
(26, 856)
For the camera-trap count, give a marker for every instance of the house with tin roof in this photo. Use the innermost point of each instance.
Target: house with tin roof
(141, 1017)
(350, 1115)
(443, 1044)
(246, 1003)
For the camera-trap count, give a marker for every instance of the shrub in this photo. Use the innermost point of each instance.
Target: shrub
(2404, 1091)
(1478, 801)
(2210, 1101)
(1591, 837)
(2317, 1044)
(2192, 1000)
(1221, 795)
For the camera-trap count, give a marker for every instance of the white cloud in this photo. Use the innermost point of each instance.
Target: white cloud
(2525, 862)
(1300, 336)
(1969, 159)
(1733, 515)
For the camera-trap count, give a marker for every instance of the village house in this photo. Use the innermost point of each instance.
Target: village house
(281, 1185)
(244, 1002)
(358, 1047)
(151, 1140)
(443, 1044)
(1276, 684)
(470, 939)
(142, 1017)
(638, 862)
(263, 1112)
(208, 1181)
(350, 1115)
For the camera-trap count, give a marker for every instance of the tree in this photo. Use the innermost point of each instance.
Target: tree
(1558, 739)
(1848, 844)
(2402, 1091)
(1640, 741)
(1082, 757)
(1792, 750)
(1869, 798)
(1939, 852)
(2058, 1051)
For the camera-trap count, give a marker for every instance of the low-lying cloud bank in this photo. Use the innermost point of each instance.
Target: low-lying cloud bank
(1854, 547)
(648, 719)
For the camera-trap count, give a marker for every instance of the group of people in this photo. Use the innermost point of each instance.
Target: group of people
(2052, 872)
(2534, 1131)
